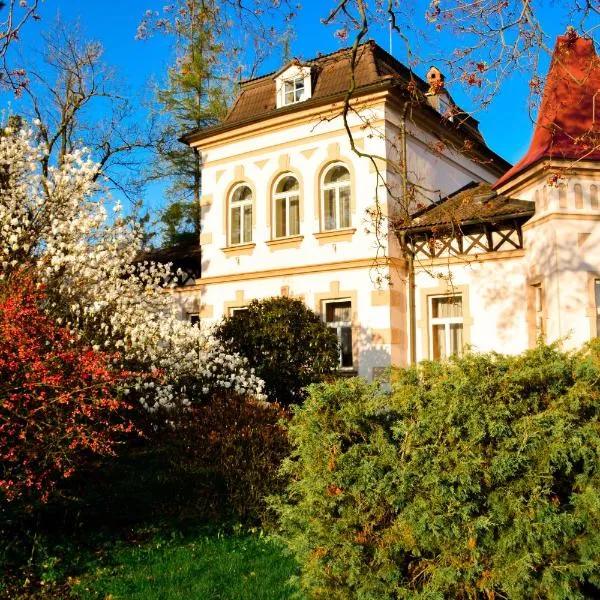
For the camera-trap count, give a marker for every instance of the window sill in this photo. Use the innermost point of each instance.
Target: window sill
(239, 249)
(292, 241)
(335, 235)
(348, 372)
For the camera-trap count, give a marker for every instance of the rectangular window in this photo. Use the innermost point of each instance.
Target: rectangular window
(597, 294)
(293, 90)
(287, 216)
(445, 326)
(241, 224)
(338, 316)
(238, 311)
(193, 318)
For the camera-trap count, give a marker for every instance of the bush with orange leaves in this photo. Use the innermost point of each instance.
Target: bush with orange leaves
(59, 399)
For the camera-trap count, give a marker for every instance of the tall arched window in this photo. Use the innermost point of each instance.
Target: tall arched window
(240, 215)
(286, 200)
(336, 197)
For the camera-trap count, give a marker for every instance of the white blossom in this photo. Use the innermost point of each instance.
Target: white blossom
(89, 264)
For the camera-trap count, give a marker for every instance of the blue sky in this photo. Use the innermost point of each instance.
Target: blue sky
(505, 124)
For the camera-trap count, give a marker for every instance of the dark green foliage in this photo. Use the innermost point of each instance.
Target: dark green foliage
(476, 478)
(288, 345)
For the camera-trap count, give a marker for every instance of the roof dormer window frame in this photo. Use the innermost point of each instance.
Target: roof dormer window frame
(293, 85)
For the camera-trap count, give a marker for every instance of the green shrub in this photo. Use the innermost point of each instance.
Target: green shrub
(287, 344)
(475, 478)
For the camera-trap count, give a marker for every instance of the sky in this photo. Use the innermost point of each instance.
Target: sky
(505, 124)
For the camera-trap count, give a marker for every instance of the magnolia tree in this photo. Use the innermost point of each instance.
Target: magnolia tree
(86, 258)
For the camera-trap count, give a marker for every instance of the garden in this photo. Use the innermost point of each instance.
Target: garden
(142, 456)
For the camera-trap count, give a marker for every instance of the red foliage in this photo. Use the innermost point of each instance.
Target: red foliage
(58, 398)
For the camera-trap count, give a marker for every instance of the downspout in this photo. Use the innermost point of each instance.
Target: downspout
(412, 323)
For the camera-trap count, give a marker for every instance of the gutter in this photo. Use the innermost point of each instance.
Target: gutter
(412, 322)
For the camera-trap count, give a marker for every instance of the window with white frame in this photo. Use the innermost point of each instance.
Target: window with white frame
(445, 326)
(238, 311)
(338, 316)
(240, 215)
(286, 200)
(293, 85)
(336, 190)
(293, 90)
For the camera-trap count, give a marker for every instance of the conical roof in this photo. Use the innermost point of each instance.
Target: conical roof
(568, 124)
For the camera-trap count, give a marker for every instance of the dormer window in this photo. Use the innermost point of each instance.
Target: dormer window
(293, 85)
(293, 90)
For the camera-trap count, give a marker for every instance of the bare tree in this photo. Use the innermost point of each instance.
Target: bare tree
(75, 99)
(13, 16)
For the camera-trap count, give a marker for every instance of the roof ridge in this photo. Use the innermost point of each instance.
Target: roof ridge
(307, 61)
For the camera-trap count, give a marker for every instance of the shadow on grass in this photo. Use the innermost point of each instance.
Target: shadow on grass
(140, 528)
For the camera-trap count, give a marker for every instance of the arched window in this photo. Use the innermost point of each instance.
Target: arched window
(336, 197)
(240, 215)
(286, 200)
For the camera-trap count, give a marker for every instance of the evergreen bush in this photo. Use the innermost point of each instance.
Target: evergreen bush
(287, 344)
(474, 478)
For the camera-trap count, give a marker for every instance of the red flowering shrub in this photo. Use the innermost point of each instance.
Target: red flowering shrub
(58, 398)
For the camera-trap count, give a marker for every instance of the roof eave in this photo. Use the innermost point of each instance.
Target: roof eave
(481, 221)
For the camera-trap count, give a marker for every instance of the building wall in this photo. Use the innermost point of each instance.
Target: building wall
(376, 344)
(493, 289)
(563, 251)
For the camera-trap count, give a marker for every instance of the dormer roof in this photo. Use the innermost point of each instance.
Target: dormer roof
(568, 124)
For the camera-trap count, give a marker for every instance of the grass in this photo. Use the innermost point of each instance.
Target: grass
(141, 530)
(232, 566)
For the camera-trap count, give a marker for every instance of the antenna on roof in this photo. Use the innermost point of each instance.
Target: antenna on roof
(390, 22)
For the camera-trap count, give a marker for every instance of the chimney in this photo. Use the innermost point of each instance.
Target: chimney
(435, 78)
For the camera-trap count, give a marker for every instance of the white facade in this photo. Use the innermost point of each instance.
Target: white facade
(279, 241)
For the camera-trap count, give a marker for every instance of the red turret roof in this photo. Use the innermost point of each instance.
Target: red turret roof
(568, 124)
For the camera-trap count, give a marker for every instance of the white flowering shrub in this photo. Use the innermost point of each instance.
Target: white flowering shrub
(55, 224)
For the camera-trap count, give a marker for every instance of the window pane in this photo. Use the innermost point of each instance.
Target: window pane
(345, 207)
(235, 225)
(299, 89)
(329, 210)
(287, 184)
(337, 174)
(449, 306)
(242, 193)
(289, 97)
(456, 338)
(247, 223)
(346, 346)
(338, 312)
(294, 215)
(280, 217)
(439, 342)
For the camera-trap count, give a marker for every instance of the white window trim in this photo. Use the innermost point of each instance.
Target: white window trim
(287, 196)
(336, 187)
(445, 321)
(337, 325)
(244, 206)
(293, 74)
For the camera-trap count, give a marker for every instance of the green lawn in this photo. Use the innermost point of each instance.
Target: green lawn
(233, 566)
(142, 530)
